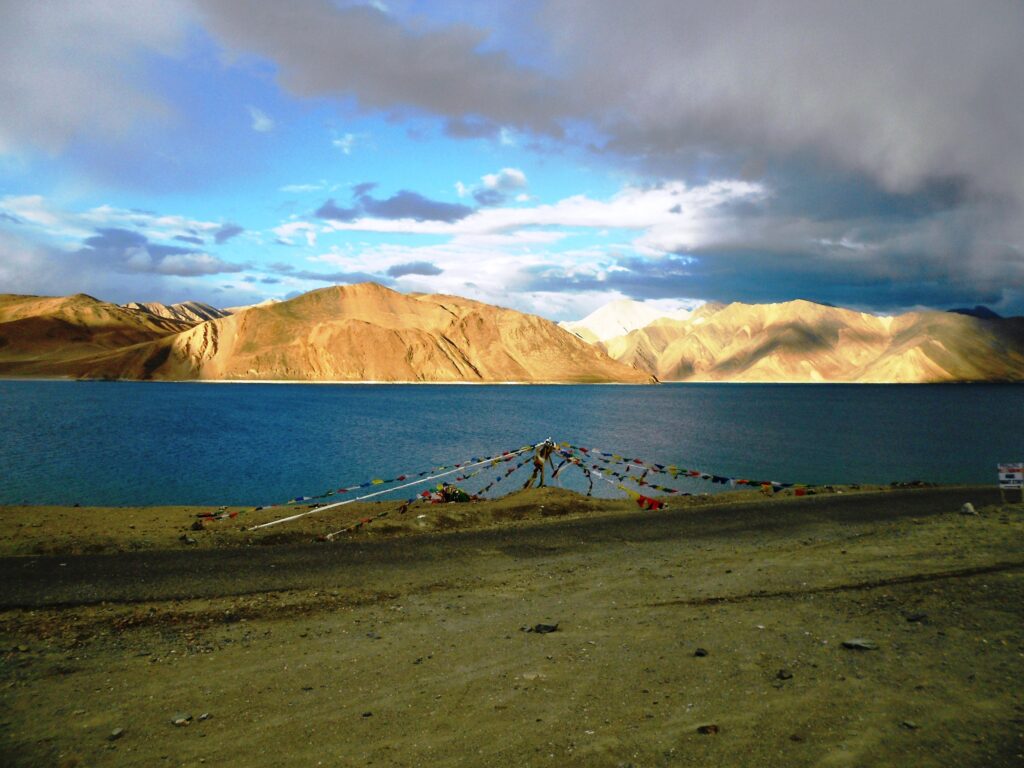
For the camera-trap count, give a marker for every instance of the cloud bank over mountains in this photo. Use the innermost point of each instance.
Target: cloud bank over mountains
(857, 153)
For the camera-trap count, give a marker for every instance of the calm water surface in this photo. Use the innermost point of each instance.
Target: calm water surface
(153, 443)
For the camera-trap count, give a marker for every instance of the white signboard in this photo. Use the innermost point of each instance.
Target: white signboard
(1011, 476)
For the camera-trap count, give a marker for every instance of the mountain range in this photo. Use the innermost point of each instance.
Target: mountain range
(802, 341)
(362, 332)
(368, 332)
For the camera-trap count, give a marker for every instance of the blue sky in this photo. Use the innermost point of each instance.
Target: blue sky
(550, 155)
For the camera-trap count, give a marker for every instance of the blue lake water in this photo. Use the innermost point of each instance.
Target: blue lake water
(121, 443)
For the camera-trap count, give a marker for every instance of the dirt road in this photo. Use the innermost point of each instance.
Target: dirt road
(185, 573)
(694, 637)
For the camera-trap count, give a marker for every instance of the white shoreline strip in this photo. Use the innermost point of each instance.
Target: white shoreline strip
(389, 490)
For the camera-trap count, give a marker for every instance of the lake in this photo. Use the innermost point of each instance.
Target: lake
(140, 443)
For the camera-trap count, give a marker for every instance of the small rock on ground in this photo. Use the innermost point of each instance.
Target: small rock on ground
(860, 644)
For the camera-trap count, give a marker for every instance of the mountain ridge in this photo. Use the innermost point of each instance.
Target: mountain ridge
(368, 332)
(803, 341)
(185, 311)
(363, 332)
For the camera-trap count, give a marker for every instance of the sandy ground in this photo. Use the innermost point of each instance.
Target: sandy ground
(402, 643)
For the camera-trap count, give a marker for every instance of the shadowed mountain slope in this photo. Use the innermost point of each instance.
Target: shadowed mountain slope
(50, 335)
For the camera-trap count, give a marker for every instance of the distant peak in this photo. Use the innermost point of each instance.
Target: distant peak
(619, 317)
(819, 303)
(367, 287)
(979, 311)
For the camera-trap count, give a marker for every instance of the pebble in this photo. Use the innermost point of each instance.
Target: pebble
(181, 719)
(542, 629)
(367, 714)
(860, 644)
(186, 539)
(910, 725)
(204, 716)
(700, 652)
(115, 734)
(784, 674)
(707, 730)
(968, 509)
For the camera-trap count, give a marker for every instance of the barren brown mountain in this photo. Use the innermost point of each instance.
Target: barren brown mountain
(360, 332)
(54, 336)
(800, 341)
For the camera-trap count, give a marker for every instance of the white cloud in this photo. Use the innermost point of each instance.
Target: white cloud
(298, 189)
(61, 224)
(504, 180)
(261, 121)
(499, 269)
(287, 233)
(194, 264)
(345, 143)
(670, 217)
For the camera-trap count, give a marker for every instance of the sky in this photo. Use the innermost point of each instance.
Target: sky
(545, 155)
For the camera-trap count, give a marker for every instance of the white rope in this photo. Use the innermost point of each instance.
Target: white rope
(420, 481)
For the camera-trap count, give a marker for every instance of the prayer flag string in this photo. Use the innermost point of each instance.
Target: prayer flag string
(504, 456)
(642, 467)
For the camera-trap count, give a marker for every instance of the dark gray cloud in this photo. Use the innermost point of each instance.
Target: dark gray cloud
(900, 270)
(125, 250)
(289, 270)
(363, 188)
(488, 197)
(190, 239)
(226, 232)
(883, 94)
(10, 218)
(52, 99)
(412, 205)
(323, 50)
(470, 128)
(330, 210)
(269, 280)
(402, 205)
(414, 268)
